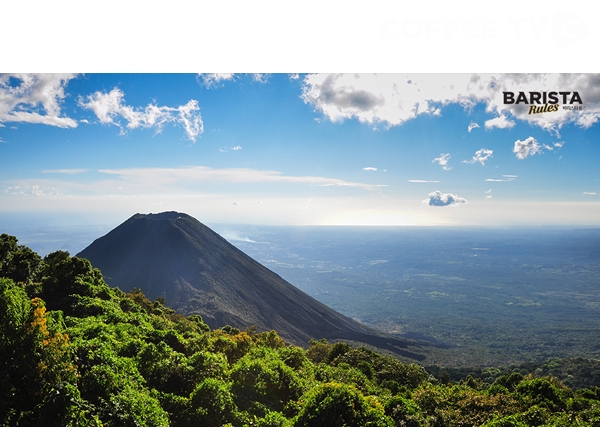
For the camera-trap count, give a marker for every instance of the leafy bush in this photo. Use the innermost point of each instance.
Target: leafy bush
(340, 405)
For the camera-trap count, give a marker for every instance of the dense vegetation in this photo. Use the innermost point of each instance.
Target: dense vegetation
(74, 351)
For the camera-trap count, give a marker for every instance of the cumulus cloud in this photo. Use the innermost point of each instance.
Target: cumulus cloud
(110, 108)
(34, 98)
(472, 126)
(369, 169)
(437, 198)
(480, 156)
(526, 148)
(589, 193)
(393, 99)
(443, 161)
(214, 80)
(500, 122)
(339, 97)
(261, 77)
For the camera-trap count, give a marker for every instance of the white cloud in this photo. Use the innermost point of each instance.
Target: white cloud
(559, 144)
(526, 148)
(214, 80)
(488, 191)
(35, 190)
(109, 107)
(225, 150)
(500, 122)
(443, 161)
(480, 156)
(472, 126)
(448, 199)
(65, 171)
(589, 193)
(34, 98)
(420, 180)
(208, 192)
(261, 77)
(156, 177)
(235, 236)
(192, 121)
(506, 178)
(369, 168)
(392, 99)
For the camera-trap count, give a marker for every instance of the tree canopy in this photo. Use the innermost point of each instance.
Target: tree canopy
(75, 352)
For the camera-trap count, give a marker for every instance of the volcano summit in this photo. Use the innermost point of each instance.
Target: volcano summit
(174, 256)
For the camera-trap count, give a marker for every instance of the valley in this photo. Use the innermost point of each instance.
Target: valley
(494, 296)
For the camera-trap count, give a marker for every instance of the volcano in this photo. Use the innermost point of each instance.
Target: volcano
(174, 256)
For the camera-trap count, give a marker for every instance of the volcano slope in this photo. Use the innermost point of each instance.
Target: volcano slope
(174, 256)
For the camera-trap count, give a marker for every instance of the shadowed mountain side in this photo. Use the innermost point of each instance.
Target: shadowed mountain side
(174, 256)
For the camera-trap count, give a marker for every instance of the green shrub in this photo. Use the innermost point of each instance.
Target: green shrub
(340, 405)
(212, 404)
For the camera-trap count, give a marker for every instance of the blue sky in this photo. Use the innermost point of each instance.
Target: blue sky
(331, 149)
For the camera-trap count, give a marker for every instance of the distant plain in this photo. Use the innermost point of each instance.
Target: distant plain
(495, 296)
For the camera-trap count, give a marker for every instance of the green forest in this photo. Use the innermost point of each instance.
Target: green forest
(75, 352)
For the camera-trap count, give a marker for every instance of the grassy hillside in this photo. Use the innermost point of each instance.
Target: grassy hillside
(75, 352)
